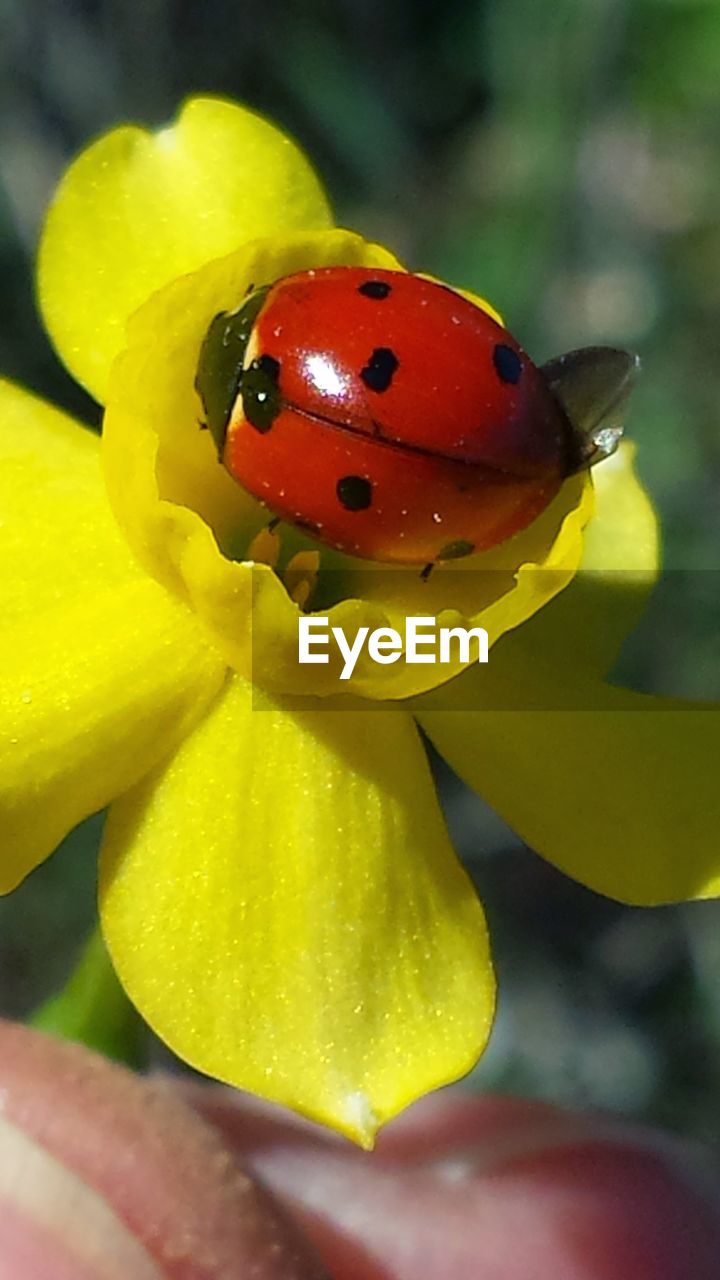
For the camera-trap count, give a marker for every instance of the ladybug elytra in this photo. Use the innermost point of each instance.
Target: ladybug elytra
(393, 419)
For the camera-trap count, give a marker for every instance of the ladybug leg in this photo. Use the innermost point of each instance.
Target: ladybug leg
(273, 524)
(425, 573)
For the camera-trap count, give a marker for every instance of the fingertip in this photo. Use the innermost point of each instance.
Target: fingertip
(116, 1176)
(463, 1186)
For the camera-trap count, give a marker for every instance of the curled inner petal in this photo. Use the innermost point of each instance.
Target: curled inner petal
(194, 526)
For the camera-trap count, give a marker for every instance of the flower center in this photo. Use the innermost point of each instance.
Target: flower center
(209, 541)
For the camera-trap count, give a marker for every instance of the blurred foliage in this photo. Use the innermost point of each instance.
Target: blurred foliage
(564, 160)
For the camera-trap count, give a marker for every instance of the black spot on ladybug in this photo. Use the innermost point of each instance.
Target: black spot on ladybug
(456, 550)
(508, 364)
(378, 372)
(354, 493)
(375, 289)
(260, 392)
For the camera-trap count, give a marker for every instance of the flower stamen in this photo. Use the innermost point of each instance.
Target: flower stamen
(300, 576)
(265, 547)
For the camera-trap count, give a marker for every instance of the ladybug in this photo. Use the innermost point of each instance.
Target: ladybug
(391, 418)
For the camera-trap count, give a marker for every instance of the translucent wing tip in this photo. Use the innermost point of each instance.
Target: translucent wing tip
(592, 384)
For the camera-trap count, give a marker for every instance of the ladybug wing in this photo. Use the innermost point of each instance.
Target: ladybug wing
(593, 384)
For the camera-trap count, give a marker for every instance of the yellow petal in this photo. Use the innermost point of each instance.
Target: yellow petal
(284, 907)
(192, 525)
(587, 624)
(623, 798)
(100, 669)
(58, 537)
(137, 209)
(617, 789)
(93, 693)
(567, 646)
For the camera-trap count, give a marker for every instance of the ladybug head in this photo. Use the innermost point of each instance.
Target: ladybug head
(592, 385)
(220, 366)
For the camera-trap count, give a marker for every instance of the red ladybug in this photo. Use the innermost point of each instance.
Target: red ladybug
(391, 418)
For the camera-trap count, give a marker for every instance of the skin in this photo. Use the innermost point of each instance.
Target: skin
(195, 1182)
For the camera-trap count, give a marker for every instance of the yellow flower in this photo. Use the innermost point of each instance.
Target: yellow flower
(277, 888)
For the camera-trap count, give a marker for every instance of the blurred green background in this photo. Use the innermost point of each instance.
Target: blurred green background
(564, 160)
